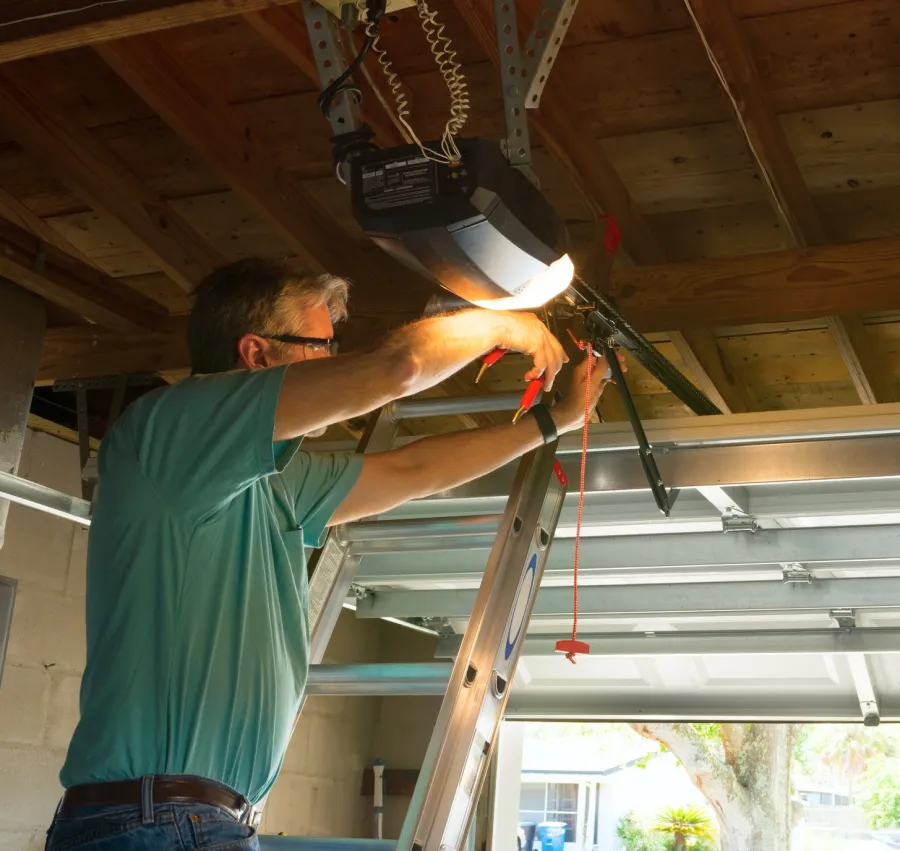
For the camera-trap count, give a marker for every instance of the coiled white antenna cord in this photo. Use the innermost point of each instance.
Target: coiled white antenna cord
(451, 71)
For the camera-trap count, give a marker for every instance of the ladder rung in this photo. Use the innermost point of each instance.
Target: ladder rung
(311, 843)
(424, 527)
(379, 680)
(406, 409)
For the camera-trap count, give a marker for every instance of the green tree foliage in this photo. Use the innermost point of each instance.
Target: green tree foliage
(879, 792)
(635, 838)
(684, 822)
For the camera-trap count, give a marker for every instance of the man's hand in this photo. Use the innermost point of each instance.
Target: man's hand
(524, 332)
(569, 413)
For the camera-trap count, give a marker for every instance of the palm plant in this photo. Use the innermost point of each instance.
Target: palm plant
(683, 822)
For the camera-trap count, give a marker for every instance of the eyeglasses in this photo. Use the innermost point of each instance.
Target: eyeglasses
(328, 345)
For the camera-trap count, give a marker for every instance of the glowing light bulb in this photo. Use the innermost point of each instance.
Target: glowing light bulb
(539, 290)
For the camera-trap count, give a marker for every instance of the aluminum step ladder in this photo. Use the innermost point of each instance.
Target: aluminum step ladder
(456, 763)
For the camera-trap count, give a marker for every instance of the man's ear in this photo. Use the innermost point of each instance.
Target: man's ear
(253, 352)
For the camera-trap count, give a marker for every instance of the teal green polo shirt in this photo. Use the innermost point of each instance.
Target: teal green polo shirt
(197, 598)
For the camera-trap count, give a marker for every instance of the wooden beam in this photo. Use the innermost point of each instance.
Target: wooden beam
(65, 27)
(730, 55)
(589, 170)
(216, 132)
(776, 287)
(83, 352)
(867, 372)
(79, 352)
(52, 274)
(705, 361)
(285, 29)
(13, 210)
(39, 124)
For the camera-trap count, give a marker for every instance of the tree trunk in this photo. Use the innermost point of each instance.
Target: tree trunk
(749, 789)
(680, 842)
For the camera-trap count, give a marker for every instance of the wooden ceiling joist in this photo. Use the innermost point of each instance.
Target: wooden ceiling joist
(62, 27)
(705, 360)
(38, 265)
(39, 125)
(217, 134)
(781, 286)
(730, 55)
(13, 210)
(83, 352)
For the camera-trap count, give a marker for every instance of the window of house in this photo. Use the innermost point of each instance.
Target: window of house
(540, 802)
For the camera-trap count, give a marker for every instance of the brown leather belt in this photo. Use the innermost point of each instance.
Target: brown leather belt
(166, 790)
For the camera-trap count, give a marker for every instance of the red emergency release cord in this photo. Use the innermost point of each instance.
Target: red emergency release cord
(572, 647)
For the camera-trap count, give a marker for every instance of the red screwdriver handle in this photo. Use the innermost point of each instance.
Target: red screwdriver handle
(528, 397)
(490, 359)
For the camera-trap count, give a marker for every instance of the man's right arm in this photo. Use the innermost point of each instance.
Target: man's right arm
(318, 393)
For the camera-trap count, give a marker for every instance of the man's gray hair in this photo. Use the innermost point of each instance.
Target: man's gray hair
(258, 296)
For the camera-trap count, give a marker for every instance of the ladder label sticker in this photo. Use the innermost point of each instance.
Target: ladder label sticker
(523, 595)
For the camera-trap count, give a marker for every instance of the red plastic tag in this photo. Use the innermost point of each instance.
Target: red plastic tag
(571, 647)
(613, 236)
(563, 478)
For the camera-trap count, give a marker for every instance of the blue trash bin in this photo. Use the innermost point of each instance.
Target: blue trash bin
(552, 835)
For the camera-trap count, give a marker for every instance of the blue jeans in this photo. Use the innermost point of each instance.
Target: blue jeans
(160, 827)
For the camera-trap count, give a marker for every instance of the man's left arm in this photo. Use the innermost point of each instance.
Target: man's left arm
(435, 464)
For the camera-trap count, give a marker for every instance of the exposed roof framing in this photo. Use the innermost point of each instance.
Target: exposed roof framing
(40, 125)
(63, 28)
(730, 54)
(40, 266)
(214, 130)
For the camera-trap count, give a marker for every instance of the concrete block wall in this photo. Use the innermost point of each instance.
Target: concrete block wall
(45, 659)
(318, 790)
(405, 724)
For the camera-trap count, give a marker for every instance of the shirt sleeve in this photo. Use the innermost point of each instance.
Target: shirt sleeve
(205, 439)
(319, 483)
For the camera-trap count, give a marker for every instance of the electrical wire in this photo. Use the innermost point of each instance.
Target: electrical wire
(445, 56)
(62, 12)
(451, 71)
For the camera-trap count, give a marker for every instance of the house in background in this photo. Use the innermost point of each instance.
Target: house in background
(590, 785)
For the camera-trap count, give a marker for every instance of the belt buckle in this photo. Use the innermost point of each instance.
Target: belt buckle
(254, 816)
(250, 815)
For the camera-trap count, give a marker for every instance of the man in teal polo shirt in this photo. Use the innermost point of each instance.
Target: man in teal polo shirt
(197, 622)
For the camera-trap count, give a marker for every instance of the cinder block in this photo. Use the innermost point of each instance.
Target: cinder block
(325, 745)
(291, 804)
(29, 786)
(54, 463)
(404, 730)
(64, 711)
(76, 578)
(47, 630)
(24, 697)
(296, 759)
(21, 840)
(353, 641)
(37, 547)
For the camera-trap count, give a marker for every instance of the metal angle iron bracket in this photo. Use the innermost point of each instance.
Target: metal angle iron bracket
(513, 80)
(344, 114)
(845, 618)
(551, 23)
(734, 520)
(795, 573)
